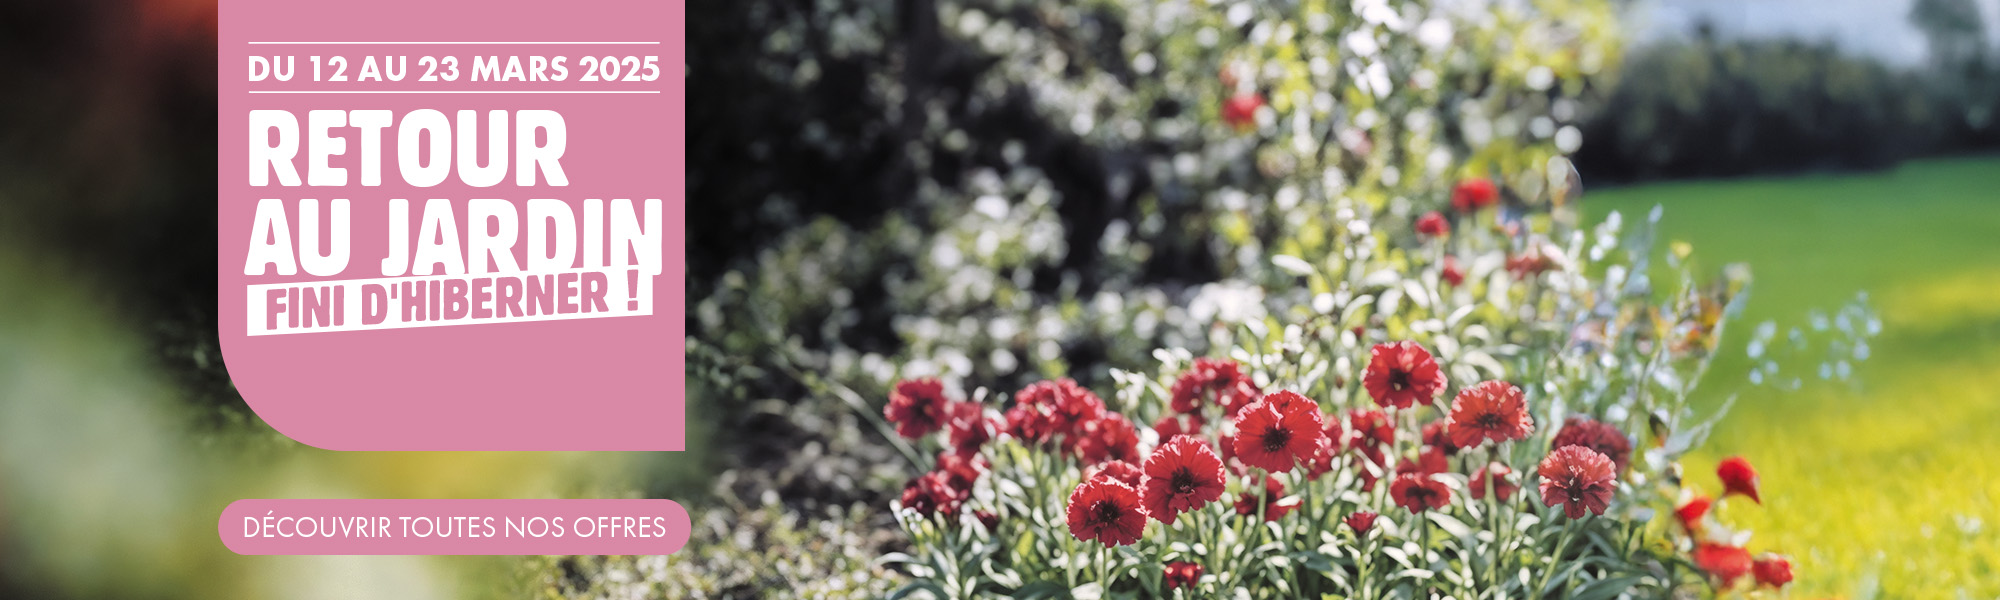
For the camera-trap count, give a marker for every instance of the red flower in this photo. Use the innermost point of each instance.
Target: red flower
(1605, 439)
(1181, 574)
(987, 518)
(1360, 522)
(1433, 224)
(1278, 431)
(917, 407)
(1120, 470)
(1690, 514)
(1181, 475)
(1738, 478)
(1492, 410)
(1474, 194)
(1075, 407)
(1369, 429)
(1370, 465)
(1323, 454)
(1430, 461)
(1419, 493)
(1047, 409)
(1107, 511)
(1215, 380)
(1029, 424)
(1578, 478)
(1108, 438)
(1274, 490)
(1772, 570)
(960, 471)
(1503, 482)
(1173, 425)
(970, 427)
(1537, 257)
(1437, 434)
(932, 494)
(1725, 563)
(1241, 111)
(1402, 374)
(1451, 272)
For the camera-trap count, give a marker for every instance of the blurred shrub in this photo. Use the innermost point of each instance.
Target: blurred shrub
(1710, 107)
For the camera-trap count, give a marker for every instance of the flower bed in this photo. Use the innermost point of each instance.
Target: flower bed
(1514, 437)
(1244, 198)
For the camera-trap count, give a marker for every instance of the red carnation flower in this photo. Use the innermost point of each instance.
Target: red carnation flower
(1691, 513)
(1503, 482)
(1578, 478)
(1074, 408)
(1215, 380)
(1402, 374)
(1473, 194)
(1492, 410)
(1370, 465)
(1430, 461)
(970, 427)
(1181, 574)
(1433, 224)
(1360, 522)
(1181, 475)
(1437, 434)
(1120, 470)
(1274, 491)
(1369, 429)
(1289, 402)
(1738, 477)
(960, 471)
(1111, 437)
(1725, 563)
(988, 519)
(932, 494)
(1451, 272)
(1539, 256)
(1321, 462)
(1173, 425)
(1107, 511)
(1278, 431)
(917, 407)
(1772, 570)
(1418, 492)
(1605, 439)
(1028, 424)
(1240, 111)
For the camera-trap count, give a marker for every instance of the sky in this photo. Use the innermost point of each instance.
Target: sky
(1877, 28)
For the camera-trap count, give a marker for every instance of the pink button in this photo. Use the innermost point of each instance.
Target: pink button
(453, 527)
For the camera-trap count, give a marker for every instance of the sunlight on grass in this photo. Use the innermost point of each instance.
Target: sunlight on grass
(1884, 486)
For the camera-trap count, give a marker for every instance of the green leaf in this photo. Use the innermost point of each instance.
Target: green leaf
(1041, 589)
(1450, 524)
(1603, 589)
(912, 587)
(1314, 560)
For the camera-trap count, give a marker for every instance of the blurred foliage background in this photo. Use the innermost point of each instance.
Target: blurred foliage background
(832, 144)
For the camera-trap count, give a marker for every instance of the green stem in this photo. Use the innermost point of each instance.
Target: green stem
(1493, 523)
(1555, 560)
(1104, 570)
(1069, 559)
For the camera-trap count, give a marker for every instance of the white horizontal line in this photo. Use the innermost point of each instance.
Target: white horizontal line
(453, 43)
(454, 91)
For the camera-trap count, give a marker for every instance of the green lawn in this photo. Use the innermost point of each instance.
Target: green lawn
(1885, 487)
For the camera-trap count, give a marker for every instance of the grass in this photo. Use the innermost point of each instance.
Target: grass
(1886, 486)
